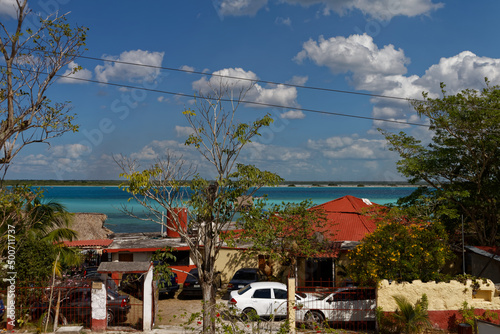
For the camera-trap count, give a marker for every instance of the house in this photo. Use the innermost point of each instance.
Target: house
(483, 261)
(92, 236)
(348, 222)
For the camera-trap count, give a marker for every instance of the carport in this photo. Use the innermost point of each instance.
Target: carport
(145, 268)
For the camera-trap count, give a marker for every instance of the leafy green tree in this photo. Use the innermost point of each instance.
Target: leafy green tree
(461, 165)
(171, 183)
(400, 249)
(411, 319)
(284, 232)
(31, 61)
(35, 230)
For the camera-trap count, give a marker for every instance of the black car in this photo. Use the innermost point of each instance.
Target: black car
(246, 276)
(192, 286)
(166, 289)
(75, 307)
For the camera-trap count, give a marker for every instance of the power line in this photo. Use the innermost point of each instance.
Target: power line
(229, 100)
(241, 78)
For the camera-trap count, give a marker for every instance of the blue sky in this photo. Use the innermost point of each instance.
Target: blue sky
(380, 47)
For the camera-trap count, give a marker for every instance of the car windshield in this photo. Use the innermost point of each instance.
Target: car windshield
(244, 289)
(244, 275)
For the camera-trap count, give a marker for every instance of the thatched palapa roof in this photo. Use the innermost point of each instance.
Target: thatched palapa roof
(90, 226)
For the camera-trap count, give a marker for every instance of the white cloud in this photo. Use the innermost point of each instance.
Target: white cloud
(83, 74)
(293, 114)
(183, 131)
(121, 71)
(350, 147)
(8, 8)
(237, 80)
(187, 68)
(356, 54)
(299, 80)
(238, 7)
(377, 9)
(283, 21)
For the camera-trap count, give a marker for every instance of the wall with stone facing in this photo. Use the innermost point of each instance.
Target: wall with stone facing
(445, 299)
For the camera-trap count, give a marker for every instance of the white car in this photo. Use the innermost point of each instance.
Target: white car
(343, 305)
(262, 299)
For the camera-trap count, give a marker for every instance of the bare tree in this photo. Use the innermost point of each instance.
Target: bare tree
(32, 60)
(213, 203)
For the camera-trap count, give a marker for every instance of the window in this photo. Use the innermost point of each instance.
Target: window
(262, 293)
(280, 294)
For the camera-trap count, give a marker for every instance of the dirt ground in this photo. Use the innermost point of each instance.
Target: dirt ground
(177, 310)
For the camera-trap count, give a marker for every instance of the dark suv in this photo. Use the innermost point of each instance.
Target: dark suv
(75, 307)
(246, 276)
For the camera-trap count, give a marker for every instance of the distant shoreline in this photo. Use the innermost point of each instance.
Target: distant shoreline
(299, 184)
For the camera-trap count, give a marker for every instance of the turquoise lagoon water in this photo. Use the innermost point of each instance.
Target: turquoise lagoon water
(110, 200)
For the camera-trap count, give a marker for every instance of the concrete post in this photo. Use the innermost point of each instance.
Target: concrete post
(291, 305)
(99, 309)
(148, 301)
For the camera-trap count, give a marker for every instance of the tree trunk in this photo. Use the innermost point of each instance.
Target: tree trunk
(208, 307)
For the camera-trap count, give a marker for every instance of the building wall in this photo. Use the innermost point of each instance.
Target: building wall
(230, 260)
(445, 299)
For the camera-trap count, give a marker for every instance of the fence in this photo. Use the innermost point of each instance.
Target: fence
(319, 305)
(69, 301)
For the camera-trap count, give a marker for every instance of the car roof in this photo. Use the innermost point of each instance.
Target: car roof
(249, 269)
(259, 285)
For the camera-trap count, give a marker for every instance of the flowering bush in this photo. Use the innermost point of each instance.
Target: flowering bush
(401, 250)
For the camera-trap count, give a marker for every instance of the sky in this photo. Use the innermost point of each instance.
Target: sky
(319, 68)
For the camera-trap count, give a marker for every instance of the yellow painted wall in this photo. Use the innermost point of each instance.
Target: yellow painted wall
(230, 260)
(442, 296)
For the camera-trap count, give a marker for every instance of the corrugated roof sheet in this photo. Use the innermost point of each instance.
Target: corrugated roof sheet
(89, 243)
(346, 218)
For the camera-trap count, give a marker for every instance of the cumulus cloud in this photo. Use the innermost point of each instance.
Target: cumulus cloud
(134, 73)
(356, 54)
(293, 114)
(238, 7)
(283, 21)
(187, 68)
(237, 80)
(377, 9)
(350, 147)
(82, 74)
(183, 131)
(382, 71)
(8, 8)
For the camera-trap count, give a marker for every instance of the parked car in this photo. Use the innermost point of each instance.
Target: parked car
(192, 286)
(90, 272)
(344, 305)
(132, 284)
(166, 289)
(76, 307)
(262, 299)
(245, 276)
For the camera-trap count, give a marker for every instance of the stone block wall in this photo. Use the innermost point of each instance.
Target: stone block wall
(445, 299)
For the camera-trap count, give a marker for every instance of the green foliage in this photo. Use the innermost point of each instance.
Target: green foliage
(469, 315)
(162, 270)
(34, 260)
(411, 319)
(462, 162)
(400, 249)
(284, 231)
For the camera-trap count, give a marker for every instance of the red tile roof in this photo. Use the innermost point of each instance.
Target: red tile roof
(89, 243)
(346, 219)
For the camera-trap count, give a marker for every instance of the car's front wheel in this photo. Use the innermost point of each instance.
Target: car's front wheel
(315, 319)
(110, 317)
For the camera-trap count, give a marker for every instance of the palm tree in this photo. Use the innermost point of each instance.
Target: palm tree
(411, 319)
(47, 224)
